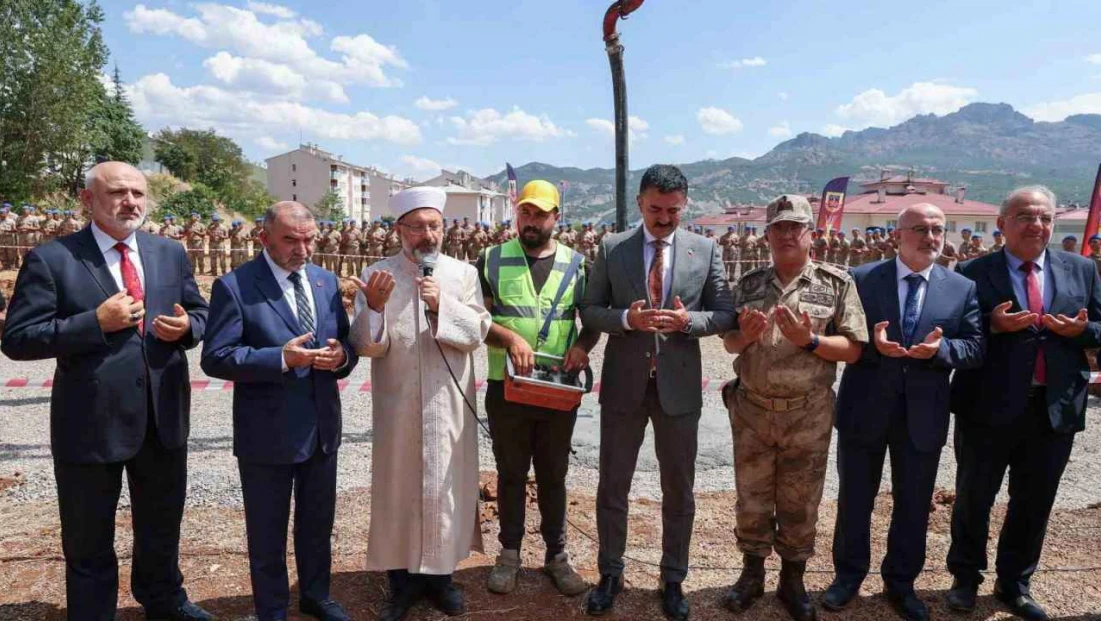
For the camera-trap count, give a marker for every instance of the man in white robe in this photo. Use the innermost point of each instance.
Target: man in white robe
(424, 476)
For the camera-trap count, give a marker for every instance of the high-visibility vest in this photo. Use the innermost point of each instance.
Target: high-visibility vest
(517, 307)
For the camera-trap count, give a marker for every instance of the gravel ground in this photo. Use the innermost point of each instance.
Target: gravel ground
(213, 478)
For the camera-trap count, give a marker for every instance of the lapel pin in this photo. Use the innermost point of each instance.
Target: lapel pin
(690, 252)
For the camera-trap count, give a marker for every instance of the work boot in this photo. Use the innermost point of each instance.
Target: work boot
(566, 580)
(793, 594)
(502, 578)
(749, 587)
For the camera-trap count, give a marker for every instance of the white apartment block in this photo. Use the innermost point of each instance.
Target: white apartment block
(306, 174)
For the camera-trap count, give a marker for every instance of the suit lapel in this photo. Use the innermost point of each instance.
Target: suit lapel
(934, 291)
(92, 259)
(1059, 271)
(682, 262)
(321, 296)
(999, 279)
(634, 263)
(888, 299)
(149, 265)
(269, 287)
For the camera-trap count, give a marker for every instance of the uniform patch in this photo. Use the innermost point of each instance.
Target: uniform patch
(826, 300)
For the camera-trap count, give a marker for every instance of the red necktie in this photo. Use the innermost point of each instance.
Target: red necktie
(655, 284)
(1036, 305)
(130, 279)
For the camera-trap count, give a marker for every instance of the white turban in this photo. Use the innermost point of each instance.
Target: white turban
(420, 197)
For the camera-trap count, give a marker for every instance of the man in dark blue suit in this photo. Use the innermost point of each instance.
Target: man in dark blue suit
(926, 323)
(1041, 310)
(121, 397)
(279, 331)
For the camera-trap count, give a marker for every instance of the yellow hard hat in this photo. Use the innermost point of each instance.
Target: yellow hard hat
(542, 194)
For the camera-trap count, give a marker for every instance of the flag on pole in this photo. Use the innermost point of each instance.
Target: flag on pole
(1093, 220)
(513, 194)
(832, 206)
(562, 187)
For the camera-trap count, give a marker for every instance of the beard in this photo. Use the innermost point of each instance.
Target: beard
(532, 237)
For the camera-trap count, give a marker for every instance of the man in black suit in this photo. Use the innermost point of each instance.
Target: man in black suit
(117, 308)
(926, 323)
(1041, 310)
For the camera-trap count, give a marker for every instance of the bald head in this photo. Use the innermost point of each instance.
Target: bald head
(921, 235)
(114, 193)
(289, 234)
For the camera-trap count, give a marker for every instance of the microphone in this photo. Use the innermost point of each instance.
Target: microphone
(428, 263)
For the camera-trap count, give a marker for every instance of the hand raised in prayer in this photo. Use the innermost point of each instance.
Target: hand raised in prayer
(752, 324)
(1003, 321)
(890, 349)
(1069, 327)
(928, 347)
(675, 320)
(796, 330)
(172, 329)
(377, 289)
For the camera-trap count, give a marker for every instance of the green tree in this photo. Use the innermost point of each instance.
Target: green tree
(51, 55)
(203, 156)
(199, 199)
(252, 200)
(330, 207)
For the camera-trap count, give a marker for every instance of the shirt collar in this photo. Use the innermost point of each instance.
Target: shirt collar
(105, 242)
(650, 238)
(904, 270)
(1015, 263)
(281, 274)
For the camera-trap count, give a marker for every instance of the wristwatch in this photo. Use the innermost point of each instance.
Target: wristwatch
(813, 344)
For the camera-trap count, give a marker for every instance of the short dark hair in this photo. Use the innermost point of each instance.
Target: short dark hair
(665, 178)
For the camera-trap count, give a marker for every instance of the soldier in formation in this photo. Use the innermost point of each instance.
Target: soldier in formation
(254, 236)
(999, 242)
(729, 245)
(393, 241)
(9, 253)
(238, 245)
(858, 249)
(218, 235)
(195, 238)
(28, 229)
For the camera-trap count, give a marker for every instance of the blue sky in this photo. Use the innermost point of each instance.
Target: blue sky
(411, 86)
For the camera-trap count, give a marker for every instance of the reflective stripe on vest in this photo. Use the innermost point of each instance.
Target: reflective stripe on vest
(517, 307)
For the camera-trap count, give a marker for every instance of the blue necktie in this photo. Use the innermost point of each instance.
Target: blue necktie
(910, 314)
(305, 316)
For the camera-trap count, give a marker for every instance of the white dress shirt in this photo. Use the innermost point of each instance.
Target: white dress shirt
(285, 284)
(648, 252)
(113, 257)
(1020, 280)
(904, 288)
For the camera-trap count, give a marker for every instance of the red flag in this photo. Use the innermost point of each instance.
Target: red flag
(512, 196)
(832, 206)
(1093, 220)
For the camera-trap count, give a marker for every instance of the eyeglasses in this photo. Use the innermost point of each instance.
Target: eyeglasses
(937, 231)
(1024, 219)
(419, 229)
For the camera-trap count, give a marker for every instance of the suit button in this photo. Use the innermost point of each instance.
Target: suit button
(140, 382)
(647, 354)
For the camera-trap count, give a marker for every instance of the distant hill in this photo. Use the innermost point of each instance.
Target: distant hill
(990, 148)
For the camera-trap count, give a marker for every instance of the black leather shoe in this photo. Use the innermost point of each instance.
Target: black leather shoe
(602, 598)
(1021, 605)
(908, 605)
(326, 610)
(749, 587)
(839, 595)
(961, 597)
(792, 592)
(448, 599)
(399, 603)
(186, 611)
(673, 603)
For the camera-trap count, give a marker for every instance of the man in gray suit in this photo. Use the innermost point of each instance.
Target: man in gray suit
(655, 290)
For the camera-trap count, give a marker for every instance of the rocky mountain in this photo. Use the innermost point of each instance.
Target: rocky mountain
(990, 148)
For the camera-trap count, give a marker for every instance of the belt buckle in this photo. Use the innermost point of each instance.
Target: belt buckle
(779, 405)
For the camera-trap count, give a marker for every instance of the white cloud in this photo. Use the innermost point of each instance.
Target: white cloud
(832, 130)
(675, 139)
(636, 127)
(435, 105)
(1094, 59)
(717, 121)
(420, 164)
(782, 95)
(783, 130)
(1053, 111)
(874, 107)
(275, 10)
(363, 60)
(271, 144)
(486, 126)
(756, 61)
(157, 103)
(264, 77)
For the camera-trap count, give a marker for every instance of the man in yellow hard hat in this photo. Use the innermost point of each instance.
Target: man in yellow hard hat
(532, 286)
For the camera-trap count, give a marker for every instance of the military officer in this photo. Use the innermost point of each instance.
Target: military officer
(797, 320)
(254, 236)
(238, 245)
(218, 234)
(195, 234)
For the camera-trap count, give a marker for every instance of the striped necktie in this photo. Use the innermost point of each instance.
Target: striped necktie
(305, 316)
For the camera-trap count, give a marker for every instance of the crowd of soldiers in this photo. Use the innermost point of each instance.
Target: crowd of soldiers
(465, 241)
(19, 233)
(747, 250)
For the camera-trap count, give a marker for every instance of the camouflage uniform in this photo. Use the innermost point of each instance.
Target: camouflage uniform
(238, 246)
(376, 243)
(781, 410)
(453, 241)
(330, 246)
(843, 250)
(749, 253)
(1095, 256)
(349, 248)
(393, 242)
(69, 225)
(890, 248)
(9, 256)
(28, 228)
(151, 227)
(977, 251)
(947, 254)
(218, 235)
(729, 244)
(254, 237)
(50, 227)
(820, 248)
(195, 234)
(478, 241)
(875, 249)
